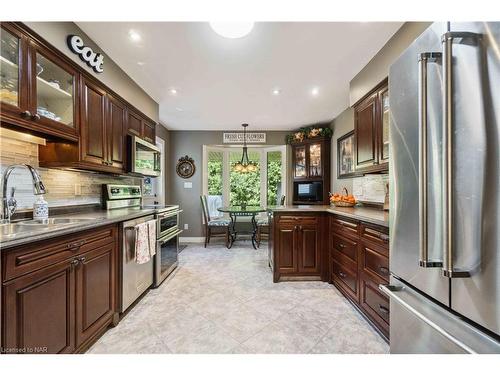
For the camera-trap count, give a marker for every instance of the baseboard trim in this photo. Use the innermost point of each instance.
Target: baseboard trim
(191, 239)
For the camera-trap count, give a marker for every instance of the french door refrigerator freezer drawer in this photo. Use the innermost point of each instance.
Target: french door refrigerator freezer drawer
(419, 325)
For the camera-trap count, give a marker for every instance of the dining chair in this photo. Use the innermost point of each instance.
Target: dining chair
(213, 227)
(263, 224)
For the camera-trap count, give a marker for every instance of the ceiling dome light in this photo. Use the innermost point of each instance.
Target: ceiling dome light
(232, 29)
(173, 91)
(134, 36)
(315, 91)
(276, 91)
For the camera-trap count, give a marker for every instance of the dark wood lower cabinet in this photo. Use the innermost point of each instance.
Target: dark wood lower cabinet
(39, 311)
(359, 256)
(60, 306)
(297, 247)
(95, 300)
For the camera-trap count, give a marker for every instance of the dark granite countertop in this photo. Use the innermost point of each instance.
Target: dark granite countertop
(99, 218)
(367, 214)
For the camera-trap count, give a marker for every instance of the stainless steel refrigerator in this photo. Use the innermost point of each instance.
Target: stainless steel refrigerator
(445, 191)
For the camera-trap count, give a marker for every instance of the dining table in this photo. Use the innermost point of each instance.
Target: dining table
(242, 211)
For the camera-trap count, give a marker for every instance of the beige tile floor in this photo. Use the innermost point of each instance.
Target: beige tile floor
(224, 301)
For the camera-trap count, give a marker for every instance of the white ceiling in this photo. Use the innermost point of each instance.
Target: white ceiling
(222, 83)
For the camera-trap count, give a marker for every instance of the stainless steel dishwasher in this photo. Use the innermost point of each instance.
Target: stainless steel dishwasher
(135, 278)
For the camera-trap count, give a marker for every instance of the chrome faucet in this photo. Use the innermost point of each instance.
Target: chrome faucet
(9, 205)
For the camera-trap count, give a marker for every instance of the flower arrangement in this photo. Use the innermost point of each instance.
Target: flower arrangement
(307, 133)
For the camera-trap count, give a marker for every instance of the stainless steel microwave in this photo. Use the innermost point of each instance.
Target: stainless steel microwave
(144, 157)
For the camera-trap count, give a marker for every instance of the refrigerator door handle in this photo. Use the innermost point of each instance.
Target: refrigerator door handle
(448, 129)
(392, 292)
(423, 59)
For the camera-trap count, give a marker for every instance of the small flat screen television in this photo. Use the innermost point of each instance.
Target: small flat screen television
(308, 191)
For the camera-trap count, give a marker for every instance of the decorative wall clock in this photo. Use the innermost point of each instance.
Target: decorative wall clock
(185, 167)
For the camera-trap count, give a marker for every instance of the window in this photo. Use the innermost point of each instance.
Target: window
(224, 186)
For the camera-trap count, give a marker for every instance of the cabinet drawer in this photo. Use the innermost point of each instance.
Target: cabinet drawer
(32, 257)
(345, 247)
(375, 235)
(344, 227)
(374, 263)
(299, 220)
(346, 278)
(375, 304)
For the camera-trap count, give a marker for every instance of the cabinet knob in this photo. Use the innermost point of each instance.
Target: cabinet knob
(81, 259)
(75, 245)
(384, 237)
(342, 274)
(384, 270)
(35, 117)
(25, 114)
(341, 246)
(74, 263)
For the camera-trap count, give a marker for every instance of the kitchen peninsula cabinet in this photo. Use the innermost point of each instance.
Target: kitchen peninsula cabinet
(59, 295)
(296, 250)
(371, 130)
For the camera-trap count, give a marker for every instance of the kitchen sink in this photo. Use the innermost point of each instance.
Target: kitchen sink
(54, 221)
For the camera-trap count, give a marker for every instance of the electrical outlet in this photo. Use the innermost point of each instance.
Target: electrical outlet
(186, 226)
(78, 189)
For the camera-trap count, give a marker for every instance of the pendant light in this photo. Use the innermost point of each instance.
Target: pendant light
(245, 165)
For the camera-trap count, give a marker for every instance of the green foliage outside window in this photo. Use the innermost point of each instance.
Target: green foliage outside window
(245, 187)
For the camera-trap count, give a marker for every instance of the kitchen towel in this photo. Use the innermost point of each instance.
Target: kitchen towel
(152, 236)
(142, 248)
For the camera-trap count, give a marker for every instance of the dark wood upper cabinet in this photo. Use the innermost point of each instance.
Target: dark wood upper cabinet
(149, 131)
(93, 127)
(43, 92)
(116, 122)
(311, 163)
(39, 88)
(371, 131)
(134, 123)
(14, 79)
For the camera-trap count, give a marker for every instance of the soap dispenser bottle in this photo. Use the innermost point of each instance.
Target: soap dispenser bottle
(40, 209)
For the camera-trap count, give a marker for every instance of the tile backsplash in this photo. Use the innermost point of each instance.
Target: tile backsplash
(64, 188)
(370, 188)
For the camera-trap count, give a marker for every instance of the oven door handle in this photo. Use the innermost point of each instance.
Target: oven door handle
(169, 214)
(161, 241)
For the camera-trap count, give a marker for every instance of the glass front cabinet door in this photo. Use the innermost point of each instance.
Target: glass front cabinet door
(315, 167)
(384, 147)
(300, 161)
(12, 99)
(53, 92)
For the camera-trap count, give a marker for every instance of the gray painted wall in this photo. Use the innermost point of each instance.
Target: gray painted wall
(191, 143)
(342, 124)
(113, 76)
(378, 67)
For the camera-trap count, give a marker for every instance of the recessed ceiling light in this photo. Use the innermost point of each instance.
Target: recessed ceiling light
(173, 91)
(315, 91)
(134, 35)
(140, 63)
(276, 91)
(232, 29)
